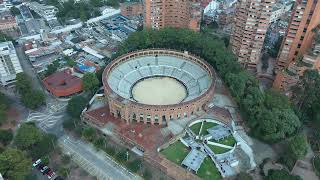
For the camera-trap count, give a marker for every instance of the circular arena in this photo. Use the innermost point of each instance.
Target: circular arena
(157, 85)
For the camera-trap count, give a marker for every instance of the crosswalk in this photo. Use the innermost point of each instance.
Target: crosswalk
(47, 119)
(44, 120)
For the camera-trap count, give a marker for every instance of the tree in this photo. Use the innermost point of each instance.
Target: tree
(97, 3)
(298, 146)
(64, 171)
(33, 99)
(89, 133)
(71, 123)
(113, 3)
(51, 68)
(15, 11)
(254, 103)
(27, 135)
(43, 147)
(306, 96)
(4, 37)
(23, 83)
(90, 82)
(147, 174)
(134, 165)
(316, 163)
(243, 176)
(70, 62)
(100, 143)
(280, 174)
(4, 105)
(75, 106)
(5, 136)
(14, 164)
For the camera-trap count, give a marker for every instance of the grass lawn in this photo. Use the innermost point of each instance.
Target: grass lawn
(176, 152)
(218, 149)
(196, 128)
(229, 141)
(208, 170)
(206, 125)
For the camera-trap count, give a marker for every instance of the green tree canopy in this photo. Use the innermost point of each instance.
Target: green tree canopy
(97, 3)
(14, 164)
(52, 68)
(15, 11)
(89, 133)
(75, 106)
(254, 104)
(43, 147)
(298, 146)
(316, 162)
(30, 98)
(243, 176)
(4, 37)
(280, 175)
(4, 105)
(70, 62)
(27, 135)
(5, 136)
(33, 99)
(90, 82)
(306, 95)
(23, 83)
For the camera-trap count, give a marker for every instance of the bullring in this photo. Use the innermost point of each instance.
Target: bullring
(171, 70)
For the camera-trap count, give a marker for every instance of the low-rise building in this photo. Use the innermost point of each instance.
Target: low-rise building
(45, 11)
(7, 21)
(63, 83)
(9, 63)
(279, 10)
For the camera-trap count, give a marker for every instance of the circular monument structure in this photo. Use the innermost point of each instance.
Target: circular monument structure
(157, 85)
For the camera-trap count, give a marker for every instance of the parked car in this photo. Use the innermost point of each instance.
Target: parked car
(35, 164)
(46, 171)
(50, 174)
(44, 168)
(40, 166)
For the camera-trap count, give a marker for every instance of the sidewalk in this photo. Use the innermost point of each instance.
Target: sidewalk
(95, 162)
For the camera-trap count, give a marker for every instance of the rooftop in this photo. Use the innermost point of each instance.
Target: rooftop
(63, 83)
(194, 159)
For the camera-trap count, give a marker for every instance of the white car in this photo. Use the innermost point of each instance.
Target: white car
(36, 163)
(43, 169)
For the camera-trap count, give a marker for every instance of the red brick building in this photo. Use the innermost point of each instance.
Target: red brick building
(117, 85)
(172, 13)
(130, 9)
(63, 83)
(251, 23)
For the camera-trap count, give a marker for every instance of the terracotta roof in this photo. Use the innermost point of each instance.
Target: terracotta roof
(63, 83)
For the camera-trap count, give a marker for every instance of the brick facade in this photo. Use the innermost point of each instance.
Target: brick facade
(156, 114)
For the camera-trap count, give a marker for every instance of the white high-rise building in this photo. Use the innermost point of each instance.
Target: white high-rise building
(9, 63)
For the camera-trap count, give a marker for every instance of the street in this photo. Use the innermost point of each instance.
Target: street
(96, 163)
(50, 119)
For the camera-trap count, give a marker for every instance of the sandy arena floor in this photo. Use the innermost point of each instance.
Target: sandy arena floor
(159, 91)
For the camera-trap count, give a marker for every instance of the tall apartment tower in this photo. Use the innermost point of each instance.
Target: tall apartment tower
(251, 24)
(171, 13)
(299, 37)
(9, 63)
